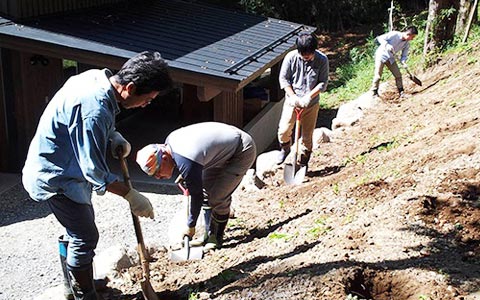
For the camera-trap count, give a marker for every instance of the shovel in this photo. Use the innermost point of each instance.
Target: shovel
(413, 77)
(186, 252)
(147, 289)
(291, 174)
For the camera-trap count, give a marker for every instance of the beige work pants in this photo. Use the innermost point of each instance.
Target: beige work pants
(308, 122)
(377, 75)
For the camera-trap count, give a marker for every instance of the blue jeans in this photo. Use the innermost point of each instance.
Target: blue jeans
(82, 233)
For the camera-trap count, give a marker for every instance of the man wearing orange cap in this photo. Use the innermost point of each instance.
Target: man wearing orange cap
(212, 158)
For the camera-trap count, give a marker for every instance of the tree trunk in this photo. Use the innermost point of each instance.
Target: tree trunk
(463, 14)
(442, 16)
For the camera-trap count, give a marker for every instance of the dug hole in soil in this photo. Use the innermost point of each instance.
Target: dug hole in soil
(390, 210)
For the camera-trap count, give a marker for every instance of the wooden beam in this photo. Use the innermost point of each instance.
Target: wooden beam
(206, 94)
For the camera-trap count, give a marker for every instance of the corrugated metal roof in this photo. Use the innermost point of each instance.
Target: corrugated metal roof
(194, 37)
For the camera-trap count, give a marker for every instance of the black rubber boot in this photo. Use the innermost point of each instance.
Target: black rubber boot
(100, 284)
(218, 224)
(82, 283)
(305, 158)
(284, 151)
(62, 248)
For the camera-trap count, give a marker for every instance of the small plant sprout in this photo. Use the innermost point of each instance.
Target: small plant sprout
(320, 228)
(279, 236)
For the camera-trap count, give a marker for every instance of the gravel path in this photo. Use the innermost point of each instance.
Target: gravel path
(29, 262)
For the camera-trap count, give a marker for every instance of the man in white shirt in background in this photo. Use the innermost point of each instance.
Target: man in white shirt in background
(391, 43)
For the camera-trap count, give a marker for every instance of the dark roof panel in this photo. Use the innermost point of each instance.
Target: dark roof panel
(191, 36)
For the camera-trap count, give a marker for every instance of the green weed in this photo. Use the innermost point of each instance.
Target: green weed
(193, 295)
(336, 188)
(279, 236)
(388, 146)
(320, 228)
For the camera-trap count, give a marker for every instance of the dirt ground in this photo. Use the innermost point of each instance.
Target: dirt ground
(390, 210)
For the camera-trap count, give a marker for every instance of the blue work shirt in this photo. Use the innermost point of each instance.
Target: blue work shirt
(67, 155)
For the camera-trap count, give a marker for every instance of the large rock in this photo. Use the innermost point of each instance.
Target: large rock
(266, 165)
(111, 261)
(351, 112)
(320, 136)
(348, 115)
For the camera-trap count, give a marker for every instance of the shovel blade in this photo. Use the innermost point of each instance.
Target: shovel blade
(294, 178)
(187, 252)
(147, 290)
(416, 80)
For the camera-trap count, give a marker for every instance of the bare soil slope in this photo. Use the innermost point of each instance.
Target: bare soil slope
(391, 210)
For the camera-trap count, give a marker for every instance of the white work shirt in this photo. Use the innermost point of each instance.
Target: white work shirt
(393, 38)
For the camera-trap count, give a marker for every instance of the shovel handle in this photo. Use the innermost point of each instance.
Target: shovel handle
(142, 252)
(181, 185)
(298, 112)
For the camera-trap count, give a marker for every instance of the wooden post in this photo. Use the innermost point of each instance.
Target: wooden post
(228, 108)
(4, 143)
(275, 90)
(32, 80)
(194, 111)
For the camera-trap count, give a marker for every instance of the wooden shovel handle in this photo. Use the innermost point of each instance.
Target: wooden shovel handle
(142, 252)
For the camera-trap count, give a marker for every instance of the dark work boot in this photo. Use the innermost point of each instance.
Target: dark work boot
(401, 94)
(62, 248)
(305, 158)
(218, 224)
(284, 151)
(100, 284)
(82, 283)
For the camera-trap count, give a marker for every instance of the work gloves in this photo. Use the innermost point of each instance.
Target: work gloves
(389, 48)
(301, 102)
(293, 100)
(404, 64)
(117, 140)
(139, 204)
(188, 231)
(304, 101)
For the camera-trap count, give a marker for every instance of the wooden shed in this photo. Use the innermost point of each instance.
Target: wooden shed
(214, 53)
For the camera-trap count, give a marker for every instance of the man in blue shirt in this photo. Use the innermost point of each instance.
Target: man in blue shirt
(389, 44)
(212, 158)
(66, 160)
(303, 76)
